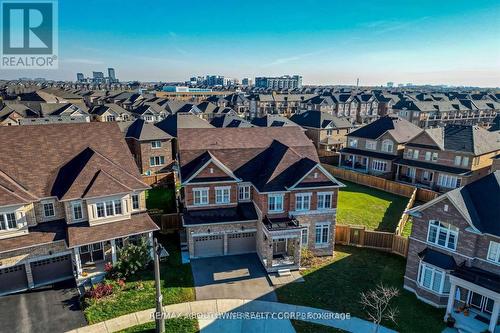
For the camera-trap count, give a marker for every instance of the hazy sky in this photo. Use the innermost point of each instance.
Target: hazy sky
(327, 42)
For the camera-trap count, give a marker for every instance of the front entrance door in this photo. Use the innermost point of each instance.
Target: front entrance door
(481, 303)
(91, 253)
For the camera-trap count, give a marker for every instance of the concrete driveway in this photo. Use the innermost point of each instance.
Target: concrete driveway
(47, 309)
(238, 276)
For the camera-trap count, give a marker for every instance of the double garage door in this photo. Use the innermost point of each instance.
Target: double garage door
(213, 245)
(47, 271)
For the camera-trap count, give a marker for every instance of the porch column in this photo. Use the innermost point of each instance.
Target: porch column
(340, 160)
(397, 171)
(113, 251)
(367, 164)
(494, 315)
(78, 262)
(451, 300)
(353, 163)
(151, 246)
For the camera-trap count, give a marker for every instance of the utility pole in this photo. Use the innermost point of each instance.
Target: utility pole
(159, 318)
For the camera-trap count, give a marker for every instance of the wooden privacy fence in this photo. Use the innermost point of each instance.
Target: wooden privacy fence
(379, 240)
(168, 222)
(404, 218)
(391, 186)
(159, 179)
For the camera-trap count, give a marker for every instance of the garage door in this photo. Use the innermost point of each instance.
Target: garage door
(242, 242)
(52, 270)
(208, 246)
(13, 279)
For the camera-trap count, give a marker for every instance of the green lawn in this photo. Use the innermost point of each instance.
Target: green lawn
(337, 283)
(178, 325)
(375, 209)
(162, 199)
(306, 327)
(139, 292)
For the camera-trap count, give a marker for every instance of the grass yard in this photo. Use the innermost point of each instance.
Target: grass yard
(139, 292)
(305, 327)
(336, 284)
(372, 208)
(178, 325)
(162, 199)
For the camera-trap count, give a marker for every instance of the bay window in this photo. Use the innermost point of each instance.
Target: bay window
(442, 234)
(275, 203)
(434, 279)
(302, 201)
(109, 208)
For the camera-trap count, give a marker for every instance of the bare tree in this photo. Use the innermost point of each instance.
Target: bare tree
(376, 302)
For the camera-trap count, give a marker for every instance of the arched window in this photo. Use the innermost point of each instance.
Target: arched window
(387, 146)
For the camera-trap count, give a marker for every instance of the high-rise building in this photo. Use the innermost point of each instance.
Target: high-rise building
(214, 80)
(390, 84)
(98, 77)
(246, 82)
(111, 75)
(80, 77)
(282, 82)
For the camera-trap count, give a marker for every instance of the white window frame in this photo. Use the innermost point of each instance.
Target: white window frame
(353, 143)
(156, 161)
(278, 204)
(4, 222)
(304, 237)
(322, 226)
(114, 204)
(223, 195)
(371, 144)
(409, 153)
(203, 195)
(303, 201)
(379, 165)
(386, 144)
(51, 202)
(415, 154)
(428, 155)
(458, 160)
(244, 192)
(442, 228)
(156, 144)
(494, 253)
(434, 272)
(465, 161)
(435, 157)
(74, 205)
(321, 205)
(133, 199)
(448, 181)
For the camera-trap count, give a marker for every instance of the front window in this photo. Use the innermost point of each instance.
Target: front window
(77, 210)
(109, 208)
(387, 146)
(325, 200)
(303, 201)
(372, 145)
(8, 221)
(353, 143)
(156, 160)
(275, 202)
(494, 252)
(155, 144)
(135, 201)
(200, 196)
(244, 192)
(322, 234)
(434, 279)
(48, 209)
(304, 237)
(222, 195)
(442, 234)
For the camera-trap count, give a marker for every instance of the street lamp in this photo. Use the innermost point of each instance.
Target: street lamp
(159, 317)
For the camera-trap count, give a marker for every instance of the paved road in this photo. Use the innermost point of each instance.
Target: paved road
(239, 276)
(48, 309)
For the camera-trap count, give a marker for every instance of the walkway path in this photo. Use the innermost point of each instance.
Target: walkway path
(238, 307)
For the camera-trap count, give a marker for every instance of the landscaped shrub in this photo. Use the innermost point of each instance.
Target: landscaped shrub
(132, 259)
(306, 257)
(99, 291)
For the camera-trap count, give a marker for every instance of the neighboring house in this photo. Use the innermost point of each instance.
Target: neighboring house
(68, 201)
(454, 252)
(272, 120)
(12, 114)
(367, 108)
(495, 124)
(150, 146)
(374, 147)
(149, 113)
(230, 120)
(60, 112)
(446, 158)
(321, 103)
(256, 190)
(346, 106)
(110, 112)
(327, 131)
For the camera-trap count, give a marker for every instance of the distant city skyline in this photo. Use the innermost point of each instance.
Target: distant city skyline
(326, 42)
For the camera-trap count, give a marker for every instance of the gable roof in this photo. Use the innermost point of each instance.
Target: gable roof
(400, 129)
(319, 120)
(272, 121)
(173, 122)
(230, 120)
(66, 151)
(143, 131)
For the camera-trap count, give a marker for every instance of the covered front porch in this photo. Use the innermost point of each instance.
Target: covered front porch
(354, 162)
(282, 238)
(474, 300)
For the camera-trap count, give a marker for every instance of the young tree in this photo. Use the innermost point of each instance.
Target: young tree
(377, 301)
(132, 258)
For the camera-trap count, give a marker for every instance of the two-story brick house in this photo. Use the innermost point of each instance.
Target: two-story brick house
(257, 190)
(150, 146)
(448, 157)
(70, 196)
(454, 252)
(373, 148)
(329, 133)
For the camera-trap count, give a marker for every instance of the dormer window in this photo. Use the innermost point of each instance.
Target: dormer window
(109, 208)
(8, 221)
(76, 208)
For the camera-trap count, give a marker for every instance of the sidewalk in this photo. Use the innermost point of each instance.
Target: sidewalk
(207, 307)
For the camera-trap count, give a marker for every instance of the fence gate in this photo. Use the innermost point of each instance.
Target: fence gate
(355, 236)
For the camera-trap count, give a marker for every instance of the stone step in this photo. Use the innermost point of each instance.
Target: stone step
(284, 272)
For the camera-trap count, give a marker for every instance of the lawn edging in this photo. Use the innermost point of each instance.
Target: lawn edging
(218, 306)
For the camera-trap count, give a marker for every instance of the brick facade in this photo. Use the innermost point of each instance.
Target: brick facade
(142, 151)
